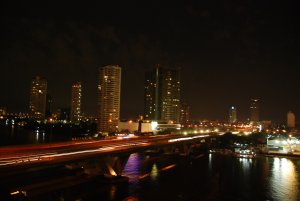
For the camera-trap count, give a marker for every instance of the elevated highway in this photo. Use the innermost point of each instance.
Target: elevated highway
(19, 158)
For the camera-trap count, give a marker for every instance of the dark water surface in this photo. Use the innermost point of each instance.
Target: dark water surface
(212, 177)
(14, 135)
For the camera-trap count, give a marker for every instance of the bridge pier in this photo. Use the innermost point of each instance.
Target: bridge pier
(108, 165)
(115, 164)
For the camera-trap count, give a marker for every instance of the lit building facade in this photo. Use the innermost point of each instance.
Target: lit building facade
(254, 110)
(109, 98)
(38, 94)
(232, 115)
(184, 114)
(76, 102)
(162, 95)
(291, 120)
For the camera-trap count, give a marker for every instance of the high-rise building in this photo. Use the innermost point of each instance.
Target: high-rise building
(232, 115)
(38, 93)
(254, 110)
(291, 120)
(162, 95)
(76, 102)
(49, 102)
(109, 98)
(184, 114)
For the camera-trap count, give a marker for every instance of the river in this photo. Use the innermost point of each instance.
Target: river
(212, 177)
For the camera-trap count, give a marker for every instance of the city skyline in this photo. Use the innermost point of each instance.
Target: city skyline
(253, 112)
(227, 55)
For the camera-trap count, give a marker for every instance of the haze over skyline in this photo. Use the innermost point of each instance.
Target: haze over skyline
(228, 52)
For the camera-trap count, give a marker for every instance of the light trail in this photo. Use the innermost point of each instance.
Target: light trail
(187, 138)
(25, 154)
(51, 155)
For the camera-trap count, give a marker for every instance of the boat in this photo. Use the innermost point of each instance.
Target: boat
(245, 154)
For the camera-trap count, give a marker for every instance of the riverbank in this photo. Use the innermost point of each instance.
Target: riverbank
(280, 154)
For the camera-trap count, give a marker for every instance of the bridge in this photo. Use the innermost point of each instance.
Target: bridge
(93, 157)
(26, 156)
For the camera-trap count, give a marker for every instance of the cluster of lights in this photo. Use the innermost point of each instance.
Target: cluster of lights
(201, 131)
(285, 142)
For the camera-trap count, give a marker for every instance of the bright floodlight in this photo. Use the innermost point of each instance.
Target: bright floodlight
(153, 125)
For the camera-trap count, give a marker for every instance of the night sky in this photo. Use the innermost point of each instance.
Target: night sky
(228, 51)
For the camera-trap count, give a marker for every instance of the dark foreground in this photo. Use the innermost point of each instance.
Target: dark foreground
(209, 177)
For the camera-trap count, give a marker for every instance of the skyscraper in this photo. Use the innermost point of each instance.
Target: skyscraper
(49, 102)
(76, 102)
(38, 93)
(232, 115)
(291, 120)
(184, 114)
(162, 95)
(109, 97)
(254, 110)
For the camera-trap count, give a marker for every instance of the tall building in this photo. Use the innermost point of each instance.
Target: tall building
(291, 120)
(184, 114)
(49, 102)
(76, 102)
(254, 110)
(109, 98)
(232, 115)
(38, 93)
(162, 95)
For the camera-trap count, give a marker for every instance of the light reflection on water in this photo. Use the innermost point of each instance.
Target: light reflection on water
(246, 166)
(132, 167)
(154, 172)
(210, 178)
(284, 183)
(281, 174)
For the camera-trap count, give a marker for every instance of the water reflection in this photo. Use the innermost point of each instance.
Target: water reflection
(154, 172)
(132, 166)
(245, 163)
(284, 183)
(209, 160)
(112, 193)
(15, 135)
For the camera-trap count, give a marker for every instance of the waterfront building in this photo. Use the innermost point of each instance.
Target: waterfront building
(76, 102)
(37, 102)
(291, 120)
(162, 95)
(232, 115)
(109, 98)
(254, 110)
(133, 127)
